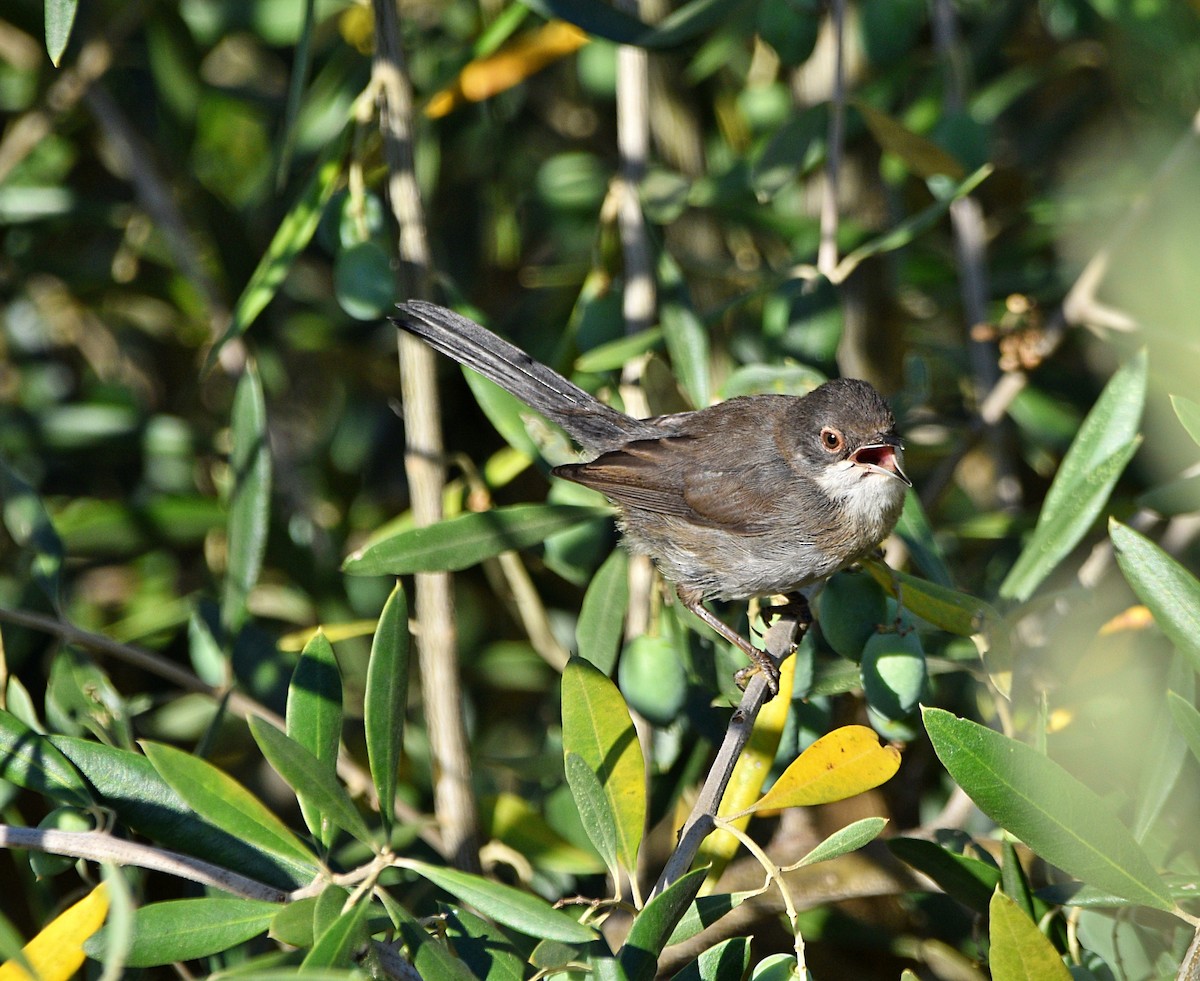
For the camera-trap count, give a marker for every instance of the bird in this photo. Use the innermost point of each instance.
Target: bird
(760, 495)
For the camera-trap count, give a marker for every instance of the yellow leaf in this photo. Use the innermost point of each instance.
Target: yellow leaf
(56, 953)
(488, 76)
(840, 764)
(748, 775)
(1019, 950)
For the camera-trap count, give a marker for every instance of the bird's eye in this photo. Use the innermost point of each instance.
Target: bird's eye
(832, 440)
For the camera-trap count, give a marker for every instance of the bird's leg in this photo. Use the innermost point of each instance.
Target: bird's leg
(761, 659)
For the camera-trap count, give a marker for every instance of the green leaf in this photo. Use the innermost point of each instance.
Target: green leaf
(217, 797)
(849, 839)
(128, 784)
(1019, 951)
(616, 353)
(60, 17)
(290, 239)
(1170, 592)
(1064, 821)
(363, 281)
(597, 727)
(249, 498)
(30, 760)
(505, 412)
(386, 700)
(1106, 441)
(1187, 720)
(29, 525)
(921, 156)
(686, 336)
(602, 20)
(510, 907)
(1189, 415)
(1165, 752)
(483, 947)
(965, 879)
(652, 927)
(310, 777)
(594, 812)
(917, 533)
(429, 955)
(185, 929)
(336, 945)
(467, 539)
(728, 959)
(314, 718)
(795, 147)
(704, 912)
(602, 615)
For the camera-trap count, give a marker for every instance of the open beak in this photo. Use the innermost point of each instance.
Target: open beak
(883, 456)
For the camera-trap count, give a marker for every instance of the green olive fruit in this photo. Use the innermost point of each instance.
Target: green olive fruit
(894, 673)
(45, 864)
(652, 679)
(850, 609)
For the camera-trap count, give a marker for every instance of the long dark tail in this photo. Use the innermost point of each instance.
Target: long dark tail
(587, 420)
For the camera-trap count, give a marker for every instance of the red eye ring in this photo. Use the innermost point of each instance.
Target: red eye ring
(832, 440)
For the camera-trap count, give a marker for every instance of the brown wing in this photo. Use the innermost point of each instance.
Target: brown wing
(662, 476)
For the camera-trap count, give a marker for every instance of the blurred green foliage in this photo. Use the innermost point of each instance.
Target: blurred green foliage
(204, 171)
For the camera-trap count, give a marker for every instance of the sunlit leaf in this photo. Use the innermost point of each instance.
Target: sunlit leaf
(704, 912)
(219, 798)
(1189, 415)
(337, 943)
(467, 539)
(511, 907)
(386, 700)
(840, 764)
(249, 497)
(29, 759)
(184, 929)
(314, 717)
(1169, 590)
(728, 959)
(970, 881)
(60, 17)
(57, 952)
(602, 616)
(595, 812)
(848, 839)
(428, 954)
(1019, 951)
(309, 777)
(1065, 822)
(597, 727)
(1106, 441)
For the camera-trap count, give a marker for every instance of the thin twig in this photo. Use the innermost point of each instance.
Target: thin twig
(441, 684)
(780, 639)
(97, 846)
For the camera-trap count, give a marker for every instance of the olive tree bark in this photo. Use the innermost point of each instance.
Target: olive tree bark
(441, 686)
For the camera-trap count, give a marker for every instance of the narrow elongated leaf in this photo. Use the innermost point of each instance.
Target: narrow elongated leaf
(314, 718)
(29, 525)
(704, 912)
(306, 775)
(920, 155)
(428, 955)
(1165, 754)
(1169, 591)
(602, 616)
(839, 765)
(965, 879)
(291, 237)
(842, 842)
(1097, 456)
(1065, 822)
(336, 945)
(128, 784)
(57, 952)
(728, 959)
(467, 539)
(594, 811)
(485, 949)
(184, 929)
(249, 497)
(1189, 414)
(686, 336)
(647, 937)
(386, 700)
(614, 354)
(217, 797)
(1186, 719)
(1019, 950)
(598, 728)
(60, 18)
(30, 760)
(510, 907)
(945, 608)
